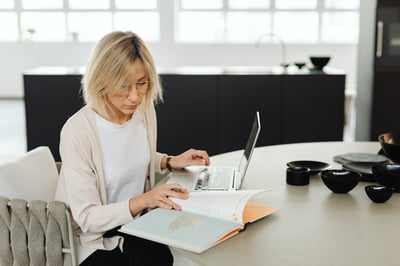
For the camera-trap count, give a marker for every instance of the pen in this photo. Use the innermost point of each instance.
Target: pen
(176, 189)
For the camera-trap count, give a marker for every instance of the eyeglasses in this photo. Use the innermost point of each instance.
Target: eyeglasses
(141, 87)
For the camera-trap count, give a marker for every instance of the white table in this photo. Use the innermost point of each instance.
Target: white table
(313, 226)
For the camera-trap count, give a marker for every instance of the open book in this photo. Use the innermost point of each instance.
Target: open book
(207, 218)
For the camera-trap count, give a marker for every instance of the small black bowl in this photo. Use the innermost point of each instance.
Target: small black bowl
(379, 194)
(390, 143)
(319, 61)
(300, 65)
(387, 175)
(340, 180)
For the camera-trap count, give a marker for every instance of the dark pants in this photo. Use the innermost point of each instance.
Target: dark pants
(137, 251)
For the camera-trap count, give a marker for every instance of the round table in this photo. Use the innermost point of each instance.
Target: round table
(313, 226)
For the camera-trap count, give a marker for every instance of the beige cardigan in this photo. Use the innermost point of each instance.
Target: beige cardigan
(81, 183)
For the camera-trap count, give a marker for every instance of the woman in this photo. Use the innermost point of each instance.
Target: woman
(109, 158)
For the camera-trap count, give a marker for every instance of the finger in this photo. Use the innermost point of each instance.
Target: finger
(169, 204)
(164, 205)
(200, 162)
(179, 195)
(174, 187)
(203, 155)
(177, 191)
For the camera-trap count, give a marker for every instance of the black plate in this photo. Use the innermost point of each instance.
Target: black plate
(315, 166)
(360, 157)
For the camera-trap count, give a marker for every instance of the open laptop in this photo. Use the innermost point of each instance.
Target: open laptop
(219, 178)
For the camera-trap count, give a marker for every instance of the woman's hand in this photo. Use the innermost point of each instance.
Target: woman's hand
(190, 157)
(158, 197)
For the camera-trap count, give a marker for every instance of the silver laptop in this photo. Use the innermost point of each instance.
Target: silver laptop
(219, 178)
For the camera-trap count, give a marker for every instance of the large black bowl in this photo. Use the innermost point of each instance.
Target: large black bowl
(319, 61)
(390, 143)
(340, 180)
(387, 175)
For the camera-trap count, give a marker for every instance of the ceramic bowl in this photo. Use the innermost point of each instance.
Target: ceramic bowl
(300, 65)
(379, 193)
(387, 175)
(319, 61)
(390, 143)
(340, 180)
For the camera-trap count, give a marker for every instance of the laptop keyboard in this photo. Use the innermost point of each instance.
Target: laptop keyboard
(214, 178)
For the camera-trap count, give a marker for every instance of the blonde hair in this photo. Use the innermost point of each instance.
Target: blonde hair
(111, 63)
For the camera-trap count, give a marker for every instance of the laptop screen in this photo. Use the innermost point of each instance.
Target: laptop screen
(251, 143)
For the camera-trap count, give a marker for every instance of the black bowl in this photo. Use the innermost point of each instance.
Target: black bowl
(340, 180)
(299, 65)
(379, 194)
(319, 61)
(387, 175)
(390, 143)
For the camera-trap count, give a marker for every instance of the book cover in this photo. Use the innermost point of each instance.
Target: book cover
(206, 219)
(186, 230)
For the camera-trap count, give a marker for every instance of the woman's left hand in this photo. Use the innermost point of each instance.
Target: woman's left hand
(190, 157)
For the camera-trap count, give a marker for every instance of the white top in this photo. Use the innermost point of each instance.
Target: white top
(126, 156)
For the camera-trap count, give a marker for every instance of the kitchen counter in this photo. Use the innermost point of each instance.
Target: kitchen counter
(200, 70)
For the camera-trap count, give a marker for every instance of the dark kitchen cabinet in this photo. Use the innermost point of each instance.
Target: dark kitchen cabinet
(188, 116)
(206, 111)
(313, 108)
(385, 106)
(49, 101)
(293, 108)
(240, 96)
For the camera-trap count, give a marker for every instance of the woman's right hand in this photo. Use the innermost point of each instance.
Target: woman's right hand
(158, 197)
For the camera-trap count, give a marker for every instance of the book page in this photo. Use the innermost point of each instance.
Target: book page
(254, 211)
(227, 205)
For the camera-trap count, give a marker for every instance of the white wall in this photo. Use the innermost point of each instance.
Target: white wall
(15, 58)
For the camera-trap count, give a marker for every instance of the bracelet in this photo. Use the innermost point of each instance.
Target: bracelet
(169, 167)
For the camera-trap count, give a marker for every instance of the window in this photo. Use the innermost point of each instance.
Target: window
(6, 4)
(95, 26)
(339, 27)
(186, 21)
(144, 23)
(42, 4)
(89, 4)
(9, 33)
(77, 20)
(237, 21)
(36, 27)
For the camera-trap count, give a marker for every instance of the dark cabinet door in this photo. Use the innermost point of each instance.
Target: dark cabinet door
(188, 116)
(239, 98)
(387, 36)
(386, 104)
(313, 108)
(49, 102)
